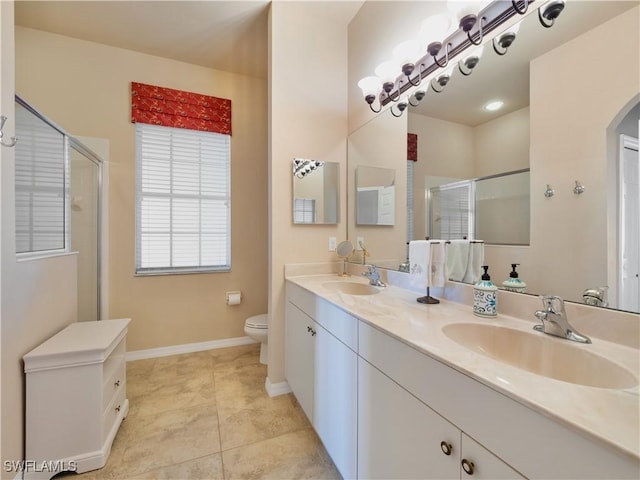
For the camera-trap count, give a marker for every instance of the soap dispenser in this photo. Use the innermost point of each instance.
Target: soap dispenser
(514, 283)
(485, 296)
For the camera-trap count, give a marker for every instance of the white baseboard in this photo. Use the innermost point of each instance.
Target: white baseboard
(187, 348)
(275, 389)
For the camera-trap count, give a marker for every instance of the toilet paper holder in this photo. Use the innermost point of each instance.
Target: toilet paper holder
(234, 298)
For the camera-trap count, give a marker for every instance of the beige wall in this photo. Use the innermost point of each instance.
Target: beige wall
(87, 92)
(570, 114)
(308, 119)
(38, 295)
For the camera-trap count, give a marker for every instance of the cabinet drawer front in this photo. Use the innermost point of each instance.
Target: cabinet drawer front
(301, 298)
(114, 383)
(341, 324)
(111, 414)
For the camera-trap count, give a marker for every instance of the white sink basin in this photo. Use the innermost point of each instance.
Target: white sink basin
(351, 288)
(542, 355)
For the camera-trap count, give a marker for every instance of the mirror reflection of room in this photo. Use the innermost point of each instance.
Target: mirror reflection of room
(533, 111)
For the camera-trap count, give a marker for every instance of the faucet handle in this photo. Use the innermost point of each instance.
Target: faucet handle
(553, 303)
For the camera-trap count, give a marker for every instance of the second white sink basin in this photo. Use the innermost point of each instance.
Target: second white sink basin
(351, 288)
(549, 357)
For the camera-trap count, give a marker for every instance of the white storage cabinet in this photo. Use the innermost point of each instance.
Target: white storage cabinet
(75, 397)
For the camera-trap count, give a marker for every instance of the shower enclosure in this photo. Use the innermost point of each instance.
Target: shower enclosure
(59, 201)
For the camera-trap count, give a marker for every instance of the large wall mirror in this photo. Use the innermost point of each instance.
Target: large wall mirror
(564, 119)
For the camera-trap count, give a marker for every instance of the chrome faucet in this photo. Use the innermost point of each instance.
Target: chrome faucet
(554, 320)
(374, 276)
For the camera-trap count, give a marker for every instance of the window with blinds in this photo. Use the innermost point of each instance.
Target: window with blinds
(183, 198)
(304, 210)
(451, 211)
(41, 181)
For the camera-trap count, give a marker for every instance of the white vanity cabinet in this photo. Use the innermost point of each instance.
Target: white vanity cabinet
(402, 438)
(75, 396)
(321, 369)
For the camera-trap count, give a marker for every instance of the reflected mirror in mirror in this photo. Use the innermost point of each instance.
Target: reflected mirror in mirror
(375, 196)
(562, 117)
(316, 192)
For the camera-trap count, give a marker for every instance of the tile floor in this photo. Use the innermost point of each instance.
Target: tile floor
(206, 415)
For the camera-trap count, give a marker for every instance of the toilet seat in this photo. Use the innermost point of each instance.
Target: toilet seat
(257, 321)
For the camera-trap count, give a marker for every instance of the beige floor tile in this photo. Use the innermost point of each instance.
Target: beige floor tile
(297, 455)
(238, 383)
(261, 418)
(241, 355)
(169, 438)
(205, 468)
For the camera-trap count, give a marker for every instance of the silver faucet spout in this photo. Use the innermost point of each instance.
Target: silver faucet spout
(554, 320)
(374, 276)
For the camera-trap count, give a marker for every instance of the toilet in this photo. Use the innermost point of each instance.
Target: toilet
(257, 328)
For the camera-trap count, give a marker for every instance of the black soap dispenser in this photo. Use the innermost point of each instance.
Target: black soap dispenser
(485, 296)
(514, 283)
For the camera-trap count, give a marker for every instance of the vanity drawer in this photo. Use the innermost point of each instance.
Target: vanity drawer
(110, 415)
(341, 324)
(114, 383)
(301, 298)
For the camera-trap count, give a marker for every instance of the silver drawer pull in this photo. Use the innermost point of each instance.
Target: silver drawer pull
(117, 408)
(467, 466)
(446, 448)
(116, 383)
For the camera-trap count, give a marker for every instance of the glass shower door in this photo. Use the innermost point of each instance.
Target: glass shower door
(84, 197)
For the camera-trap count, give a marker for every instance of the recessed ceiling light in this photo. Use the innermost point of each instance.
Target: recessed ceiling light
(493, 106)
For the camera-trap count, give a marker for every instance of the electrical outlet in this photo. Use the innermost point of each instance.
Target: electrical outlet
(332, 244)
(359, 243)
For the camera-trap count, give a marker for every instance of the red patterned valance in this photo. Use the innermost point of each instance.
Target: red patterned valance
(412, 147)
(175, 108)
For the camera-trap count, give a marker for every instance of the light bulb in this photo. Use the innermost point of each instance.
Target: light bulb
(370, 86)
(462, 8)
(388, 71)
(436, 28)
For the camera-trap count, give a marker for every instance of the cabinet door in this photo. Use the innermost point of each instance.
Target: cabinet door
(299, 353)
(479, 463)
(398, 435)
(335, 400)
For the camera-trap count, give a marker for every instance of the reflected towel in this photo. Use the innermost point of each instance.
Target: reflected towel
(437, 264)
(476, 260)
(457, 259)
(419, 260)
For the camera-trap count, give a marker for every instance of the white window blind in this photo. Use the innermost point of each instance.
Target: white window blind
(304, 210)
(182, 200)
(40, 185)
(451, 211)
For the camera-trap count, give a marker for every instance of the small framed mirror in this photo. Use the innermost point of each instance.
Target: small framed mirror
(375, 196)
(316, 192)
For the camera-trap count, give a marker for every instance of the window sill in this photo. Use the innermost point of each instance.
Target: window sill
(180, 272)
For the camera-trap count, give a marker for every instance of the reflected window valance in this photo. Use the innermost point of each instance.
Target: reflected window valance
(412, 146)
(176, 108)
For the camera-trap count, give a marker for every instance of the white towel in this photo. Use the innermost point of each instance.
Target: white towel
(419, 260)
(437, 267)
(476, 260)
(457, 259)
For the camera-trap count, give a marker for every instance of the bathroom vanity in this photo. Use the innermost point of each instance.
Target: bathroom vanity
(76, 397)
(393, 391)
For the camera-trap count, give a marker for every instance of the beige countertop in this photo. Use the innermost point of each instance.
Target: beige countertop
(611, 416)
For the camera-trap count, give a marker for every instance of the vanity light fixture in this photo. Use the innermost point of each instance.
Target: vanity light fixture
(466, 13)
(387, 73)
(402, 105)
(406, 53)
(394, 78)
(494, 105)
(468, 63)
(549, 12)
(418, 95)
(502, 42)
(303, 167)
(432, 31)
(371, 88)
(441, 81)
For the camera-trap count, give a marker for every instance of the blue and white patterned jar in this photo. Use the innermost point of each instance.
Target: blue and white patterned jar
(485, 299)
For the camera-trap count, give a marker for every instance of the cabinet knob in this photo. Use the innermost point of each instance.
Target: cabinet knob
(118, 408)
(467, 466)
(308, 328)
(116, 383)
(446, 448)
(313, 332)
